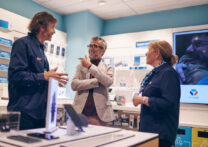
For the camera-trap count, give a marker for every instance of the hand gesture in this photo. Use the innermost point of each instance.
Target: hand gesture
(110, 75)
(85, 62)
(58, 76)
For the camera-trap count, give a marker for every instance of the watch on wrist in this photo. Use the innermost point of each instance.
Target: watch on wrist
(143, 100)
(89, 66)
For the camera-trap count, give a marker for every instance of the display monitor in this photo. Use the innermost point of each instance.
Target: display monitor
(51, 112)
(192, 67)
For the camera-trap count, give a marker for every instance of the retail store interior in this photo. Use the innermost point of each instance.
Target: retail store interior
(128, 27)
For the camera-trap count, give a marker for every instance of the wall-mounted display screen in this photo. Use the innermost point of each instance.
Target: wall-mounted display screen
(192, 67)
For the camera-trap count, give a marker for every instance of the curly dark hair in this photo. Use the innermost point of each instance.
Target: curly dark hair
(41, 19)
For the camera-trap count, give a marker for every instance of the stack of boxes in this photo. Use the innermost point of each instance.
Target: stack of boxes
(126, 120)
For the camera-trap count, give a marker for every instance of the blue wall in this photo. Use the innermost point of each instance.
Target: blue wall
(80, 27)
(28, 8)
(182, 17)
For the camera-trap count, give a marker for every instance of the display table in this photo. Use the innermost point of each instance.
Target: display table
(92, 136)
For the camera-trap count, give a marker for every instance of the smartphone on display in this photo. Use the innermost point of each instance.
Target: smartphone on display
(43, 136)
(73, 115)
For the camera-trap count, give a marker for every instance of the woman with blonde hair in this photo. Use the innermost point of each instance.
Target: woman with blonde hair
(160, 94)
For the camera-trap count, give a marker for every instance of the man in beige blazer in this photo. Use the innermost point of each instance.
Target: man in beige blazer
(91, 81)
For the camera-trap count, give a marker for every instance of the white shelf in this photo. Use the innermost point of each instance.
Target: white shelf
(4, 60)
(5, 30)
(122, 68)
(5, 48)
(124, 88)
(3, 73)
(126, 107)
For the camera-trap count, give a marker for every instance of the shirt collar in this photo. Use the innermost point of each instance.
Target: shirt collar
(161, 67)
(37, 42)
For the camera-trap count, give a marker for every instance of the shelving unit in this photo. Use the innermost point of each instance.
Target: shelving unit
(5, 30)
(3, 73)
(5, 48)
(4, 60)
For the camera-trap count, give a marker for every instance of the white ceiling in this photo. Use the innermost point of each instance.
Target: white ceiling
(116, 8)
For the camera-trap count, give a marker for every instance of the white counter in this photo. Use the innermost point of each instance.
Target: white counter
(92, 136)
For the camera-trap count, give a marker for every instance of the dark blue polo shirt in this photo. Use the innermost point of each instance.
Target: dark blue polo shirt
(27, 87)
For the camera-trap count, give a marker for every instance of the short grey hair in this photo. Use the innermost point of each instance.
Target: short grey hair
(96, 38)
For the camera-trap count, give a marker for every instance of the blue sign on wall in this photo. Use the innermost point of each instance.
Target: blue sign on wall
(144, 43)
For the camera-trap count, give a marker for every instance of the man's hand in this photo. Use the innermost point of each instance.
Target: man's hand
(110, 75)
(85, 62)
(58, 76)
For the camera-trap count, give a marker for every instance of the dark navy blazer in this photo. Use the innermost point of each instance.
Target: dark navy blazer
(162, 115)
(27, 87)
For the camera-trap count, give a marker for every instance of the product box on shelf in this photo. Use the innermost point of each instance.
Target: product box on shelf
(183, 138)
(4, 24)
(63, 52)
(57, 50)
(61, 117)
(4, 90)
(3, 80)
(4, 67)
(199, 137)
(6, 42)
(61, 92)
(5, 54)
(131, 121)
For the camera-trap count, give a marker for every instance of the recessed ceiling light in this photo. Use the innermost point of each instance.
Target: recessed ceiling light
(101, 3)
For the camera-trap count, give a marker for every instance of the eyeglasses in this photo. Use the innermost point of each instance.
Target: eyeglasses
(94, 46)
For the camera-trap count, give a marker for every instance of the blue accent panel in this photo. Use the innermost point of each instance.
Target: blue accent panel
(183, 138)
(28, 8)
(189, 16)
(80, 27)
(4, 24)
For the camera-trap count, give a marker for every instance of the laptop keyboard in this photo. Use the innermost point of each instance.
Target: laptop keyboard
(24, 139)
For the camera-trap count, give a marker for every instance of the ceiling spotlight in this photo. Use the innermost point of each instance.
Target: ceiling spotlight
(101, 3)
